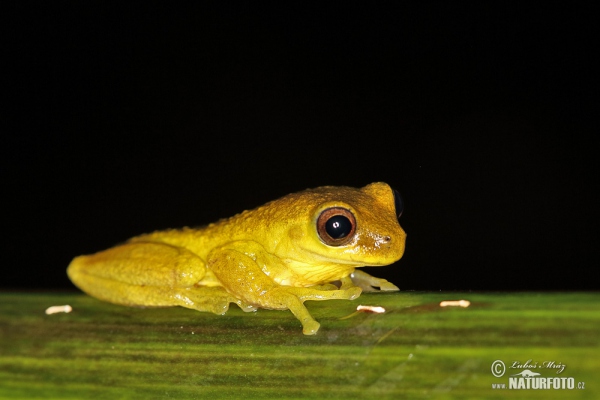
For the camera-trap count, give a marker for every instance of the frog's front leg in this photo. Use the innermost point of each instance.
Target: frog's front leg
(242, 276)
(367, 282)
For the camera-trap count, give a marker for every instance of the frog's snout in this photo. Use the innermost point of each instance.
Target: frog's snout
(391, 244)
(395, 244)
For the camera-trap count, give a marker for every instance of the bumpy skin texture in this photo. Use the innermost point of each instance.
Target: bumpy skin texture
(271, 257)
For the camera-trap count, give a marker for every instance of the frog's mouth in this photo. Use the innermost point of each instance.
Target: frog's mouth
(385, 253)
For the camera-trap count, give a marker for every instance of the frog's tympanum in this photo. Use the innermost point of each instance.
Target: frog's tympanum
(303, 246)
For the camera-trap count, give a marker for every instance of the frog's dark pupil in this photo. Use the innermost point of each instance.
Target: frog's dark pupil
(338, 227)
(398, 203)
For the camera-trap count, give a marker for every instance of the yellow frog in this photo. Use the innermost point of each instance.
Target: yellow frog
(303, 246)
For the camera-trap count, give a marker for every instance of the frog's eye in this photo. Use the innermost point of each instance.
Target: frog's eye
(336, 226)
(398, 203)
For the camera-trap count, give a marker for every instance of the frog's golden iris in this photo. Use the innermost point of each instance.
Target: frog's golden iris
(276, 256)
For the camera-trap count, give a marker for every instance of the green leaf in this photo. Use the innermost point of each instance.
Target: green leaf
(416, 349)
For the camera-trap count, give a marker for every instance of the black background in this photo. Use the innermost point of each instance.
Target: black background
(121, 119)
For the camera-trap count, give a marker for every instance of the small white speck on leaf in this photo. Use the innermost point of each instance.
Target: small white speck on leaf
(59, 309)
(455, 303)
(373, 309)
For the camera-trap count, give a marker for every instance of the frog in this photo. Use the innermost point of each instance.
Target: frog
(303, 246)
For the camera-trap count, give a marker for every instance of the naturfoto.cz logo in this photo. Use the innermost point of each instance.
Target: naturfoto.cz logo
(528, 378)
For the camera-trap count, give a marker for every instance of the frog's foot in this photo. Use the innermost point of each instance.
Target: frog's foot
(293, 299)
(211, 299)
(368, 283)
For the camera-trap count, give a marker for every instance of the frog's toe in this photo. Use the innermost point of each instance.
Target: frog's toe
(310, 327)
(219, 308)
(245, 306)
(388, 287)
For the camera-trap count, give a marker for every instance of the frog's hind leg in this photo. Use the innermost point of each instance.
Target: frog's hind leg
(150, 274)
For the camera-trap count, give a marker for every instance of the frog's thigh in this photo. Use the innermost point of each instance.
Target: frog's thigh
(202, 298)
(368, 282)
(143, 273)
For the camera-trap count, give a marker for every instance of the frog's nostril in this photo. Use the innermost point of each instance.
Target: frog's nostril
(387, 239)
